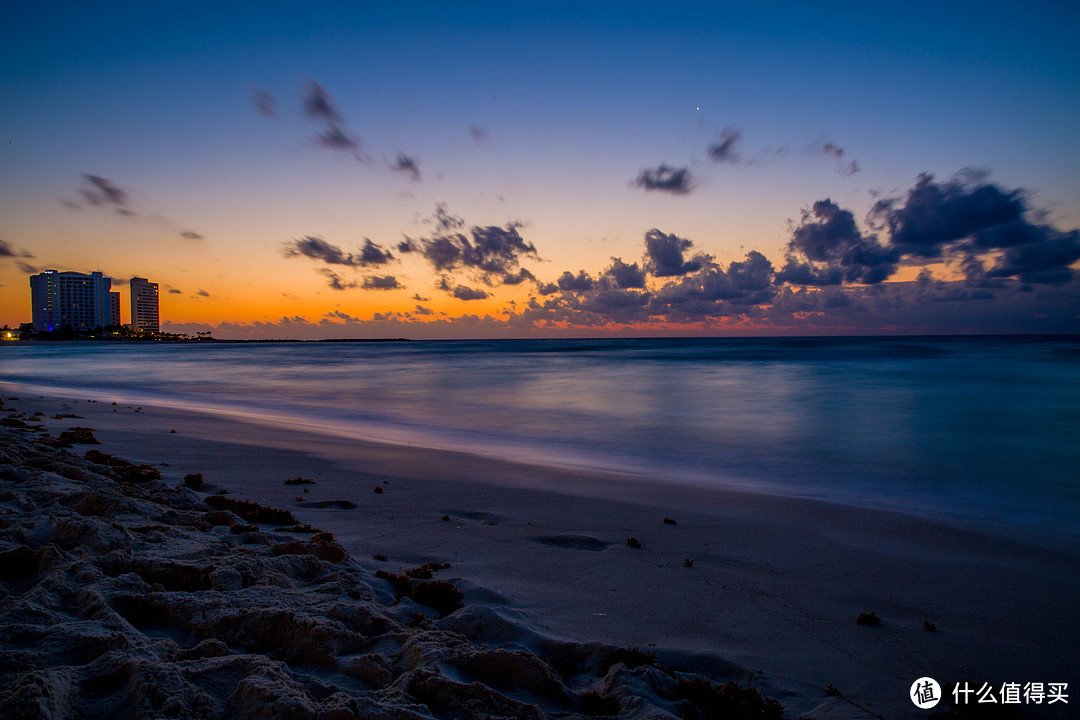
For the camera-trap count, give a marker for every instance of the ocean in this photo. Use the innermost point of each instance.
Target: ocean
(975, 431)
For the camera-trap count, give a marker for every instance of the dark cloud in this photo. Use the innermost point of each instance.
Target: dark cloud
(677, 181)
(747, 282)
(547, 288)
(203, 293)
(103, 193)
(445, 220)
(828, 248)
(191, 235)
(339, 315)
(265, 103)
(624, 276)
(421, 310)
(7, 250)
(318, 105)
(516, 278)
(418, 298)
(847, 169)
(381, 282)
(70, 204)
(174, 291)
(493, 254)
(27, 267)
(466, 293)
(407, 164)
(933, 215)
(664, 255)
(335, 281)
(1044, 259)
(318, 249)
(725, 148)
(968, 217)
(478, 133)
(337, 138)
(569, 282)
(336, 134)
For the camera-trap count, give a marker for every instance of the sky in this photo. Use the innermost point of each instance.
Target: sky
(459, 170)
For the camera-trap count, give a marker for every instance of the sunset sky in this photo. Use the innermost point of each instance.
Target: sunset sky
(433, 169)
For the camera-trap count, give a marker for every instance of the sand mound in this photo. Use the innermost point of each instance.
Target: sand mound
(128, 598)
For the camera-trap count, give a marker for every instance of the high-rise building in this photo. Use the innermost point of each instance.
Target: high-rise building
(144, 305)
(114, 308)
(70, 299)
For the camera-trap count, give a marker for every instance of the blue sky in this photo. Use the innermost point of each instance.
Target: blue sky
(544, 115)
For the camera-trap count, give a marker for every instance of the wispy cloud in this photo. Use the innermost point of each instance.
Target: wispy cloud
(370, 254)
(674, 180)
(725, 149)
(265, 103)
(102, 192)
(408, 165)
(847, 168)
(381, 282)
(335, 134)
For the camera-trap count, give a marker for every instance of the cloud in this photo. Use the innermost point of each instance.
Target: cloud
(265, 103)
(407, 164)
(418, 298)
(335, 281)
(316, 248)
(664, 255)
(1045, 258)
(724, 149)
(478, 133)
(103, 193)
(338, 315)
(466, 293)
(677, 181)
(624, 276)
(847, 169)
(933, 215)
(203, 293)
(191, 235)
(381, 282)
(445, 220)
(828, 248)
(175, 291)
(7, 250)
(574, 283)
(490, 253)
(318, 105)
(969, 217)
(747, 282)
(516, 278)
(337, 138)
(336, 134)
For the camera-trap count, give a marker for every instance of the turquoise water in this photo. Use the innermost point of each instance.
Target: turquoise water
(980, 430)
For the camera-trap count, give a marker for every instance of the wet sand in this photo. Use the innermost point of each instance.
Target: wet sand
(770, 600)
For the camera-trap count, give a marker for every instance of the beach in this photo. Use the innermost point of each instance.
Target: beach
(759, 589)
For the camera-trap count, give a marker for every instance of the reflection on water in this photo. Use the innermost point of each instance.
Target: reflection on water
(960, 426)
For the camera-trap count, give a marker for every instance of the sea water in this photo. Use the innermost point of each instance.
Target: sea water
(972, 430)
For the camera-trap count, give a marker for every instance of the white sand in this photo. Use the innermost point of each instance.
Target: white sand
(770, 601)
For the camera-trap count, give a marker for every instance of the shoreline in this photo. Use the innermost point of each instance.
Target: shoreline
(322, 435)
(775, 585)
